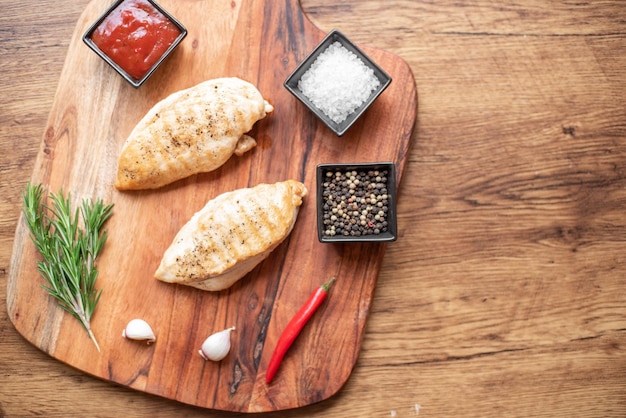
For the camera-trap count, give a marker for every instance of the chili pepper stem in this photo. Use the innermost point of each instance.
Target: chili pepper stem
(326, 286)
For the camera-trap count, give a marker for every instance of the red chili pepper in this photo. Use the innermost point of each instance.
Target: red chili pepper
(295, 326)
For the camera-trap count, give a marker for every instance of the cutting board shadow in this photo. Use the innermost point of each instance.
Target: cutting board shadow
(93, 112)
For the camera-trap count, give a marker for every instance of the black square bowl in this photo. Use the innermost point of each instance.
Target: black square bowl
(368, 212)
(135, 82)
(291, 83)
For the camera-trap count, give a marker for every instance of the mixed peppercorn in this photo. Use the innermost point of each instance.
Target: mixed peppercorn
(355, 203)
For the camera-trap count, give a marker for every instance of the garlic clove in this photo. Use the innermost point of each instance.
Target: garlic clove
(138, 329)
(216, 346)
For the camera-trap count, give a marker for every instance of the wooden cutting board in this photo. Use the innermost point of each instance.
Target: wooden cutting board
(94, 111)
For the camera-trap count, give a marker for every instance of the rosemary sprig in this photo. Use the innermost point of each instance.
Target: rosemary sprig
(69, 252)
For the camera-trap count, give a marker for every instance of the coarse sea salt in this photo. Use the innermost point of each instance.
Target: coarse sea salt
(338, 82)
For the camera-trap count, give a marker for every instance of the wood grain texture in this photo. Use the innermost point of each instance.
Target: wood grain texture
(504, 295)
(93, 113)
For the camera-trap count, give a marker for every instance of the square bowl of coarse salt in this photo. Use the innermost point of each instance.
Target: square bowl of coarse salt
(337, 82)
(356, 202)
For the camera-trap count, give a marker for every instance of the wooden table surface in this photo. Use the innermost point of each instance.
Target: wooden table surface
(505, 294)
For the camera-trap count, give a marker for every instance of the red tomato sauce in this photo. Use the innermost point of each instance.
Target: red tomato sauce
(135, 35)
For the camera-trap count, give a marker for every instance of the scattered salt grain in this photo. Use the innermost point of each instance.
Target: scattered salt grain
(338, 82)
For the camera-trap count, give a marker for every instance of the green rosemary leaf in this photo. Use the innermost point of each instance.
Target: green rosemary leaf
(69, 243)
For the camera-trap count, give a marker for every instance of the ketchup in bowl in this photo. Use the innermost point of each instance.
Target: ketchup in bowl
(135, 35)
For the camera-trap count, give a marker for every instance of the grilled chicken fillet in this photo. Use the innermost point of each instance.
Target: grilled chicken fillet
(231, 235)
(192, 131)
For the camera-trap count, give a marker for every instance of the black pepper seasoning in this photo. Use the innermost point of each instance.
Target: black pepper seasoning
(355, 203)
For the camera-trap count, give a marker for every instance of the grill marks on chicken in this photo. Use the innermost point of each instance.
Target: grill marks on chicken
(232, 234)
(192, 131)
